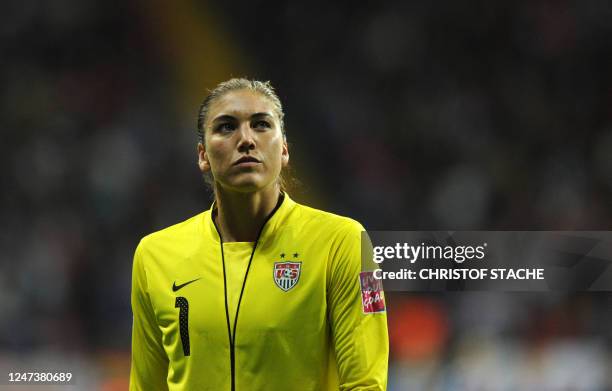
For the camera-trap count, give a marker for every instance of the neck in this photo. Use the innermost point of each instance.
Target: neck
(240, 216)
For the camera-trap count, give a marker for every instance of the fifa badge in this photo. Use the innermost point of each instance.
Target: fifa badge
(372, 295)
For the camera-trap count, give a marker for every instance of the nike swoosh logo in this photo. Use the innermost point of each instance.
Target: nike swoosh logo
(177, 287)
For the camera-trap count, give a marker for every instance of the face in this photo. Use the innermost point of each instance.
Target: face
(245, 149)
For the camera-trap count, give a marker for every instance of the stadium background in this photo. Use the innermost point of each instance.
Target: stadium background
(428, 115)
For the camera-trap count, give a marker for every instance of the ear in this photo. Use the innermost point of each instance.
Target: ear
(203, 162)
(284, 154)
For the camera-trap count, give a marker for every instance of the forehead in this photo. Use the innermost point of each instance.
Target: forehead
(241, 103)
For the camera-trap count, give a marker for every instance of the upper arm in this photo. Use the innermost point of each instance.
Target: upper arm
(149, 366)
(360, 337)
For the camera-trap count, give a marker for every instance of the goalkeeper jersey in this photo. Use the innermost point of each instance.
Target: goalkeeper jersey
(295, 310)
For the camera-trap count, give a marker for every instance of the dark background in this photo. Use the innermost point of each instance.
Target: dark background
(403, 115)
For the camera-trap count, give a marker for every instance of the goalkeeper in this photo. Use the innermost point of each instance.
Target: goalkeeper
(258, 292)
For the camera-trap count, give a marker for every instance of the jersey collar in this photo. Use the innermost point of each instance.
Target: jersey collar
(277, 220)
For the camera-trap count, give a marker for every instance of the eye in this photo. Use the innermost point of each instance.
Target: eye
(261, 124)
(225, 127)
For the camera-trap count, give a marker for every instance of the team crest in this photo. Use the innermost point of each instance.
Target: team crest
(286, 274)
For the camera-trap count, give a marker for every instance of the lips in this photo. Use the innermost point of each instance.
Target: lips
(246, 159)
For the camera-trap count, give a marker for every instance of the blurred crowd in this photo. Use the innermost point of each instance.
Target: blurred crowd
(500, 341)
(403, 115)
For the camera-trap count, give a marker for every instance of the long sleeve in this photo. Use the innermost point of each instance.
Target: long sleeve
(359, 330)
(149, 368)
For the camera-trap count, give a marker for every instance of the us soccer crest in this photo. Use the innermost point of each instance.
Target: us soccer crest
(286, 274)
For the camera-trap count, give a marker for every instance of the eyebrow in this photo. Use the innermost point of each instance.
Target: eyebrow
(228, 117)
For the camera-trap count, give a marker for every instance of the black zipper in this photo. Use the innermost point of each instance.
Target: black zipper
(232, 333)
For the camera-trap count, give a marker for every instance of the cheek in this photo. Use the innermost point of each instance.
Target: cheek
(216, 151)
(276, 152)
(277, 145)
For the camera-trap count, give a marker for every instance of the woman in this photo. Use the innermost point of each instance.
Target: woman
(259, 292)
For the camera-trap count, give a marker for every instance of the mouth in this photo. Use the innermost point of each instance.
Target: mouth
(247, 161)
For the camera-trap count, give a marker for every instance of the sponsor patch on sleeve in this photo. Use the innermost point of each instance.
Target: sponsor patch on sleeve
(372, 295)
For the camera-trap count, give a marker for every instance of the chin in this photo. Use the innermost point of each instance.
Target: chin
(245, 185)
(246, 182)
(246, 188)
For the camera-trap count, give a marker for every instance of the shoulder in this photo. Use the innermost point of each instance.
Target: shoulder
(326, 222)
(175, 235)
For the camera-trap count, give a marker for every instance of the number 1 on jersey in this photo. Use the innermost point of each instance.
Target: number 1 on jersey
(183, 306)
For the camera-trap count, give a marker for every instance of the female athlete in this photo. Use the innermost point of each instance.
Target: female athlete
(259, 292)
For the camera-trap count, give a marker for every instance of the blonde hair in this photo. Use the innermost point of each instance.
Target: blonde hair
(262, 87)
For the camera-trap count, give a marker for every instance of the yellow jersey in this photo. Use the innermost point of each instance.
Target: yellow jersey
(295, 310)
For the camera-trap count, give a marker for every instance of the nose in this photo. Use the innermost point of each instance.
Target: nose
(246, 141)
